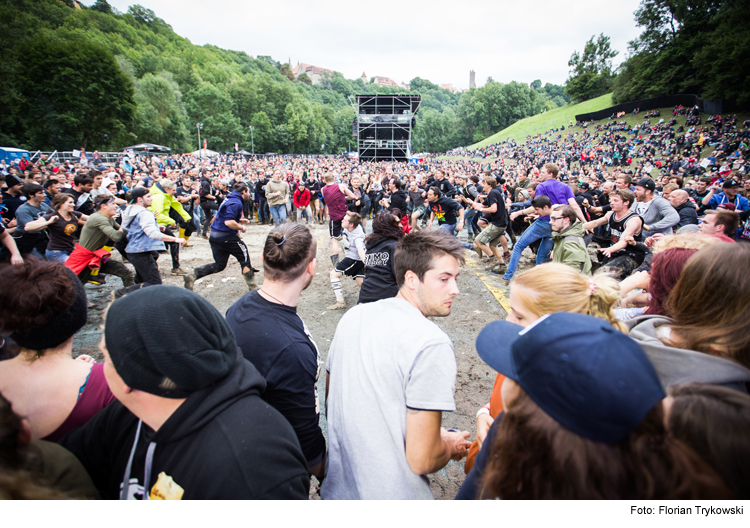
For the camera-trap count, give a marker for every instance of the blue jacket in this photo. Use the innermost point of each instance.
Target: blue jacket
(230, 209)
(143, 230)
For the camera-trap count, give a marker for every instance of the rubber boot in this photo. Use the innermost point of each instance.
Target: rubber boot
(182, 235)
(249, 277)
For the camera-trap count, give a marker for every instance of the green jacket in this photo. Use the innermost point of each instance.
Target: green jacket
(162, 203)
(570, 248)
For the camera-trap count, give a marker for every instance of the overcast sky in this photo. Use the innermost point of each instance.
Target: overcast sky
(436, 39)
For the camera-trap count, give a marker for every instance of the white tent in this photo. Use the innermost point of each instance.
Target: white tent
(205, 153)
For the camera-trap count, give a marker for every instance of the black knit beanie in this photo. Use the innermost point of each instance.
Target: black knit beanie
(62, 326)
(168, 341)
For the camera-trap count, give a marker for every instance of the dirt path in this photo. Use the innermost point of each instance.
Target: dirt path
(475, 307)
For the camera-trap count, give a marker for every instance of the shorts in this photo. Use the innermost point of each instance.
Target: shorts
(490, 235)
(334, 228)
(421, 209)
(351, 268)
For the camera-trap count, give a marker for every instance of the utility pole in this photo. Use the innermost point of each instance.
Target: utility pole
(252, 140)
(200, 154)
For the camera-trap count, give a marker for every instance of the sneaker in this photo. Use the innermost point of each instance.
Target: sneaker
(189, 280)
(97, 280)
(340, 305)
(204, 236)
(178, 271)
(506, 282)
(250, 280)
(499, 268)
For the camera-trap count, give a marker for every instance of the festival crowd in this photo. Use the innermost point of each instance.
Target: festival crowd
(623, 365)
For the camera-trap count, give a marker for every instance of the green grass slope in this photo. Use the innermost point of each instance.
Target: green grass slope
(546, 121)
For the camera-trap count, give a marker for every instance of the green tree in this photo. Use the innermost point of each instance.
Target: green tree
(262, 133)
(160, 114)
(102, 6)
(305, 79)
(73, 93)
(142, 14)
(591, 73)
(286, 71)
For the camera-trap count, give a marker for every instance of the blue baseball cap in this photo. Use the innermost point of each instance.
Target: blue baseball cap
(589, 377)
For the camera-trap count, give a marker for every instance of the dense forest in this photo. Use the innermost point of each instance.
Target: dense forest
(101, 79)
(697, 47)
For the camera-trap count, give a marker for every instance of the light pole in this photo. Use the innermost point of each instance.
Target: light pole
(252, 140)
(200, 154)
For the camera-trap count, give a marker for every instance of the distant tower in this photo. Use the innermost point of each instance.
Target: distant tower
(472, 82)
(364, 77)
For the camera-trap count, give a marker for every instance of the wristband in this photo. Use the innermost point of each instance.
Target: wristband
(483, 410)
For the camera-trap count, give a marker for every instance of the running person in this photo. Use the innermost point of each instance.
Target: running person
(225, 240)
(334, 196)
(145, 240)
(353, 264)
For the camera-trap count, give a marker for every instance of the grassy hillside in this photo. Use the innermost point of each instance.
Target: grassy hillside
(546, 121)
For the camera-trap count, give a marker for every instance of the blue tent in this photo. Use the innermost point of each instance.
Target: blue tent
(9, 153)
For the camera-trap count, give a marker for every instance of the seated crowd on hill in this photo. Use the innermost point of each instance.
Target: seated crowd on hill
(623, 366)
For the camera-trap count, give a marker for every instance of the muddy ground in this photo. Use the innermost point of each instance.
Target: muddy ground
(474, 308)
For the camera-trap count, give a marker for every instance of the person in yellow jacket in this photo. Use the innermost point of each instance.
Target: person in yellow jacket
(162, 203)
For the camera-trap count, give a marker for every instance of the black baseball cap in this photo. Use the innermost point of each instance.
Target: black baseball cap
(647, 183)
(138, 192)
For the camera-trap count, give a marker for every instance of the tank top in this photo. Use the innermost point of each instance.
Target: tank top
(336, 202)
(617, 228)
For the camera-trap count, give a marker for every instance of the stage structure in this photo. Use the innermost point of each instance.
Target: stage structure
(383, 126)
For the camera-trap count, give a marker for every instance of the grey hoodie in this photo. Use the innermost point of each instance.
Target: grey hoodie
(675, 366)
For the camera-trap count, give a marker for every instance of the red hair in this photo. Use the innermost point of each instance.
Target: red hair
(666, 267)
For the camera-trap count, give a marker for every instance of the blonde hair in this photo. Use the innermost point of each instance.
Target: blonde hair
(554, 287)
(685, 241)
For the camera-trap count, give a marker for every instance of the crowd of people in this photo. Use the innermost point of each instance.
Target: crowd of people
(622, 367)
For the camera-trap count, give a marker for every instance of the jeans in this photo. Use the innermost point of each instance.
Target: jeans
(469, 217)
(207, 207)
(539, 230)
(278, 212)
(451, 228)
(57, 256)
(305, 210)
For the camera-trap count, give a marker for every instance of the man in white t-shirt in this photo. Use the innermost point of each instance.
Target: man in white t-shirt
(386, 390)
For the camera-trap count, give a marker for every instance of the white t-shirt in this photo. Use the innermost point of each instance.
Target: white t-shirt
(374, 376)
(352, 240)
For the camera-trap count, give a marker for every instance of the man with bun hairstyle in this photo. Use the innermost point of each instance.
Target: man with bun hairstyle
(189, 422)
(286, 357)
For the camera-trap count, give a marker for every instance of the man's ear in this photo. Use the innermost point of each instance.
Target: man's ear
(410, 279)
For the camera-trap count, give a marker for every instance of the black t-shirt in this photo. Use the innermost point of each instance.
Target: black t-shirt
(398, 200)
(380, 274)
(188, 205)
(499, 218)
(84, 203)
(276, 341)
(63, 233)
(445, 210)
(11, 204)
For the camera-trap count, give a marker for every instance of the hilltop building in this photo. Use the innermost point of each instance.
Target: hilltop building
(314, 72)
(472, 79)
(449, 87)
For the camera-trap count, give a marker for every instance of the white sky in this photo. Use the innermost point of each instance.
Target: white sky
(433, 39)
